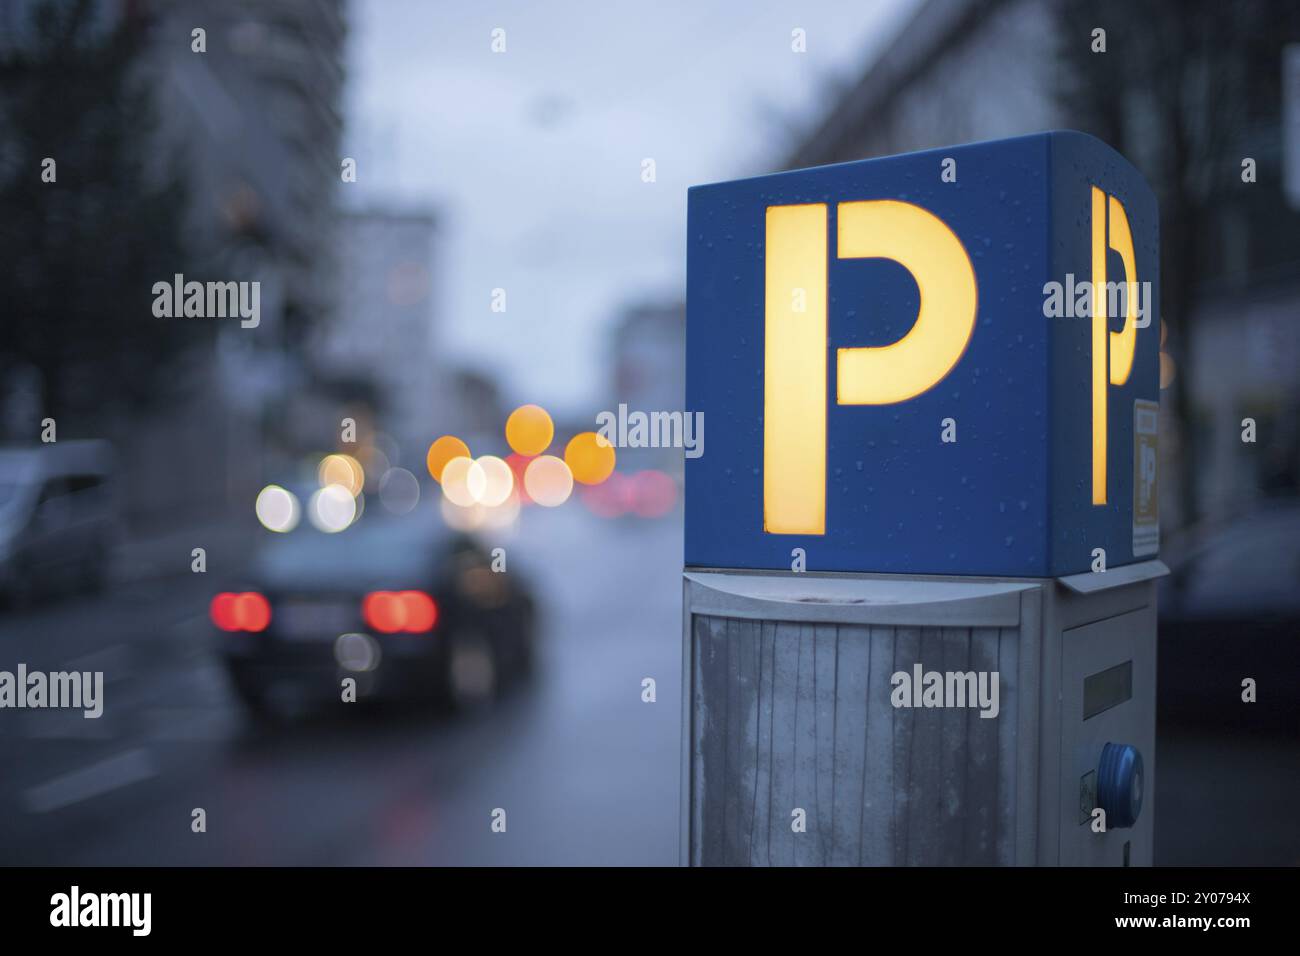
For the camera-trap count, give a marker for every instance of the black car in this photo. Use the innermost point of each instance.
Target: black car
(1230, 610)
(408, 608)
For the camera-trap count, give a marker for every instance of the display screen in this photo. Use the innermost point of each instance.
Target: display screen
(1104, 689)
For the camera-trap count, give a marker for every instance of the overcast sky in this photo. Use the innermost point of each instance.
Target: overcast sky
(532, 158)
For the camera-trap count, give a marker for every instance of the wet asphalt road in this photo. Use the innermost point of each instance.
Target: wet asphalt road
(586, 772)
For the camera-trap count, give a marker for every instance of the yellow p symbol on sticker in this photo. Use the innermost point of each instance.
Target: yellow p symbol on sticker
(795, 344)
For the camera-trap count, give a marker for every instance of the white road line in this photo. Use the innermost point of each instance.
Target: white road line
(126, 768)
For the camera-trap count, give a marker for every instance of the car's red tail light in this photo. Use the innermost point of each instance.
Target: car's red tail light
(222, 612)
(389, 612)
(421, 611)
(382, 611)
(246, 611)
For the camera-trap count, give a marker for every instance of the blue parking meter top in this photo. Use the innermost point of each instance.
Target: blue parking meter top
(904, 369)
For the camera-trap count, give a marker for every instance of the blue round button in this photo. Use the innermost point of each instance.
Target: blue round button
(1119, 785)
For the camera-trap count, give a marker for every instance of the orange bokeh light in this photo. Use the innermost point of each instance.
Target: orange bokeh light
(529, 430)
(442, 451)
(590, 458)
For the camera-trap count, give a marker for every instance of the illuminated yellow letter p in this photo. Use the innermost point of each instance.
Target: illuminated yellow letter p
(925, 246)
(795, 345)
(1108, 216)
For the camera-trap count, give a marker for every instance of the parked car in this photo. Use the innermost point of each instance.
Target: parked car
(1229, 611)
(58, 518)
(408, 608)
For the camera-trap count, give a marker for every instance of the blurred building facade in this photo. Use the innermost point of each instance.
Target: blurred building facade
(959, 71)
(256, 122)
(970, 70)
(250, 125)
(382, 338)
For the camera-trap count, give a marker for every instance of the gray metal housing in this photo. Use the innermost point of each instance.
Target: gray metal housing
(786, 706)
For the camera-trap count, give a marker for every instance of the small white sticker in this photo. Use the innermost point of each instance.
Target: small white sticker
(1146, 518)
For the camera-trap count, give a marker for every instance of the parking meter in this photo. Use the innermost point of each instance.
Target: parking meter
(921, 544)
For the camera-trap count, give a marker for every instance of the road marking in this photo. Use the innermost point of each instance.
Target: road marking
(126, 768)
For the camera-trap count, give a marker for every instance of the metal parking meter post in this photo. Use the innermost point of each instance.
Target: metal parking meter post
(919, 594)
(788, 708)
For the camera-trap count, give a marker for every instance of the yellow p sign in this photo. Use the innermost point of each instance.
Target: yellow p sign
(1108, 216)
(795, 328)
